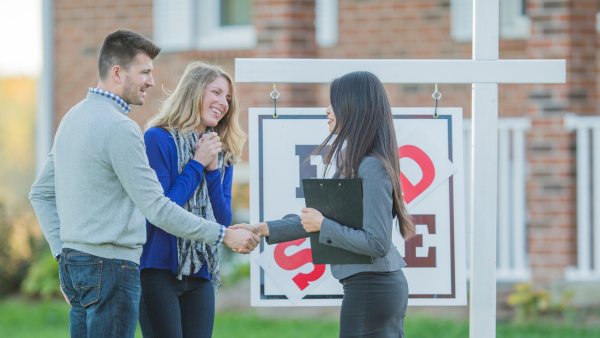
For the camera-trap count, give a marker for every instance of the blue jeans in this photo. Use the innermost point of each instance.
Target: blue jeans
(173, 308)
(104, 294)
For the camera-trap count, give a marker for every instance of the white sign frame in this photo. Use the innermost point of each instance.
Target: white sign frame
(457, 297)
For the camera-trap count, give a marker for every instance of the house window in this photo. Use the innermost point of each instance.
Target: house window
(514, 23)
(203, 24)
(236, 12)
(181, 25)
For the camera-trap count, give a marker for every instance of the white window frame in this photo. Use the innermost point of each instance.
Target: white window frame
(461, 20)
(197, 26)
(326, 22)
(513, 24)
(212, 36)
(172, 24)
(199, 30)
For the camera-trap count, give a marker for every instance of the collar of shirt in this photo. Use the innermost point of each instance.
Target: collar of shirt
(126, 108)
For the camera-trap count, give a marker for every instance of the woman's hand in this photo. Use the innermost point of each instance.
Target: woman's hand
(207, 149)
(260, 229)
(214, 165)
(311, 219)
(246, 226)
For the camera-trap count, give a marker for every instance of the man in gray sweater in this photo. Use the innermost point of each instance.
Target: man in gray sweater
(96, 189)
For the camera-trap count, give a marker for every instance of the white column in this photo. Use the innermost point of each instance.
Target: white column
(482, 321)
(503, 201)
(584, 263)
(44, 115)
(518, 201)
(583, 125)
(596, 197)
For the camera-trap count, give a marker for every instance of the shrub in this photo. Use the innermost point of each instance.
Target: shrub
(529, 303)
(42, 278)
(17, 248)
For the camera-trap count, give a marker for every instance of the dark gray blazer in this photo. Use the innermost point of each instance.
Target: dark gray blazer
(374, 240)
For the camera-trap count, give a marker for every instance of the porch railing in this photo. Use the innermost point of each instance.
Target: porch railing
(587, 130)
(512, 262)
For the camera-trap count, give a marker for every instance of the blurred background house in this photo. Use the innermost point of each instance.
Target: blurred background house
(548, 230)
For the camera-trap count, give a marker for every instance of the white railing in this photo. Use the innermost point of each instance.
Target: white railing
(588, 217)
(512, 262)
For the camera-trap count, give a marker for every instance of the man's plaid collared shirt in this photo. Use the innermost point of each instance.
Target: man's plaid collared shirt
(126, 108)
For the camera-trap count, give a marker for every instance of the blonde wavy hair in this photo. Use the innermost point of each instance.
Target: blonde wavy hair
(181, 110)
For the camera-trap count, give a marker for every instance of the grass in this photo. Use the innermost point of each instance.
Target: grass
(21, 319)
(25, 319)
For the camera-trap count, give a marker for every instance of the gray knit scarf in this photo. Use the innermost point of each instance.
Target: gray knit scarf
(192, 254)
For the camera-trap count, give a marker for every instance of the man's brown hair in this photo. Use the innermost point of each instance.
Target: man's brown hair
(120, 48)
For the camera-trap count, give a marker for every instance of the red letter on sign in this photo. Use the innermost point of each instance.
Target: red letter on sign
(412, 244)
(297, 260)
(412, 191)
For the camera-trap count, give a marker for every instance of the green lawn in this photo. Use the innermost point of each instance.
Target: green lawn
(20, 319)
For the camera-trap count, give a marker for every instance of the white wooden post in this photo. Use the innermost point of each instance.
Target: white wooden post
(482, 317)
(485, 71)
(468, 160)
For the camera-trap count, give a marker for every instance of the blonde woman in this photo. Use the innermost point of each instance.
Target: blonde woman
(192, 144)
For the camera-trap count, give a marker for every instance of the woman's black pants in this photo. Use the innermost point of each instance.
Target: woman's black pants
(173, 308)
(374, 305)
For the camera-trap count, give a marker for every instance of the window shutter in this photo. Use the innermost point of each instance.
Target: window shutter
(461, 20)
(173, 25)
(326, 22)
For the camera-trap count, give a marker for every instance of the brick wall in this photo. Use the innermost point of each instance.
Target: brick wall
(380, 29)
(80, 28)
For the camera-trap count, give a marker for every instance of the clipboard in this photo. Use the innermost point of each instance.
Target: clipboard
(340, 200)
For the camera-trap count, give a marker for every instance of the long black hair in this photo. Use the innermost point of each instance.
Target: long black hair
(365, 127)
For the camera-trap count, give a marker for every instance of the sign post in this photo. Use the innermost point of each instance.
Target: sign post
(484, 71)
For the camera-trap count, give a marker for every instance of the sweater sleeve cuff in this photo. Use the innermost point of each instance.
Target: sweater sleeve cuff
(221, 235)
(212, 174)
(56, 246)
(196, 165)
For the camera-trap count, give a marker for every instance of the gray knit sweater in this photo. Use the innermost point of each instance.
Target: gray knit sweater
(97, 188)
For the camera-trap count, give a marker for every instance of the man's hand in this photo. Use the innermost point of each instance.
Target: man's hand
(64, 295)
(311, 219)
(260, 229)
(241, 239)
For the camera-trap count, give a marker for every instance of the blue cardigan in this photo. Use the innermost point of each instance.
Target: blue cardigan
(160, 250)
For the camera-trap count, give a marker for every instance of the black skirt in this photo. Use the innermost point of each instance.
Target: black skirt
(374, 305)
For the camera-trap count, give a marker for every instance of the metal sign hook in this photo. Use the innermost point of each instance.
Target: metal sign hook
(436, 96)
(275, 95)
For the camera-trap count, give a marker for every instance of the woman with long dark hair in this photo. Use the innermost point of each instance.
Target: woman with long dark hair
(363, 143)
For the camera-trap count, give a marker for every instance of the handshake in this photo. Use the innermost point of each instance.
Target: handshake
(243, 238)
